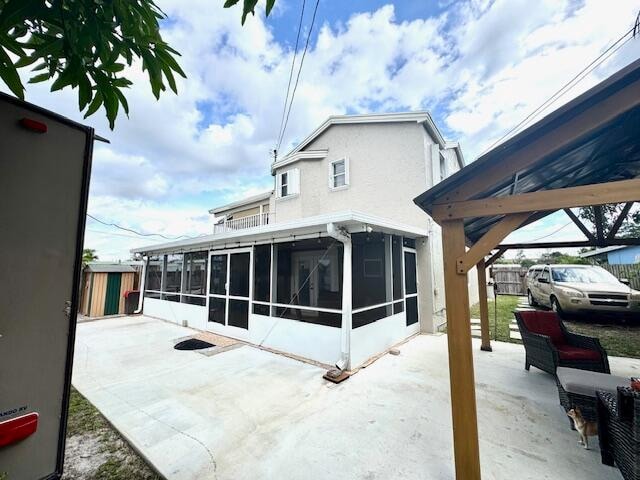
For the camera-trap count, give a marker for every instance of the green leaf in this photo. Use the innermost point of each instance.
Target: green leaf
(68, 77)
(248, 7)
(167, 59)
(230, 3)
(87, 44)
(270, 4)
(123, 100)
(94, 105)
(9, 75)
(84, 92)
(170, 79)
(55, 48)
(25, 61)
(111, 106)
(113, 68)
(40, 66)
(42, 77)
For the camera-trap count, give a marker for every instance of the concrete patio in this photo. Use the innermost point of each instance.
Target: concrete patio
(250, 414)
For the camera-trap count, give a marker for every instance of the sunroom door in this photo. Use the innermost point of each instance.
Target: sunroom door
(229, 288)
(410, 286)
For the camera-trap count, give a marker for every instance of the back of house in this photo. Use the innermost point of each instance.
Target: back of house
(336, 264)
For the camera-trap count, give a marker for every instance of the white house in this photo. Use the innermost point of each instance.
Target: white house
(337, 263)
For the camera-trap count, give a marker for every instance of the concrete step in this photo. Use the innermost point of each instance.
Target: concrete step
(475, 328)
(514, 332)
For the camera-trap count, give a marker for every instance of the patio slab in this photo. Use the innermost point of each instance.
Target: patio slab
(246, 413)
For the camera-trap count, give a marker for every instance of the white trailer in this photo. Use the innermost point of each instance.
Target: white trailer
(45, 162)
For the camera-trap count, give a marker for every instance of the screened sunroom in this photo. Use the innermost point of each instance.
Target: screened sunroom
(289, 288)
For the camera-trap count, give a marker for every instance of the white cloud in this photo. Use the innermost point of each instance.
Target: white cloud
(480, 67)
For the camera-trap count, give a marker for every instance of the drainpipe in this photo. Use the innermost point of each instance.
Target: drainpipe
(143, 277)
(341, 234)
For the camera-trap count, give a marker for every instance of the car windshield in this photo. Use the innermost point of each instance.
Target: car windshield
(582, 275)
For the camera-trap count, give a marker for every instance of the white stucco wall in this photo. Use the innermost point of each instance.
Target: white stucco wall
(389, 165)
(195, 316)
(387, 169)
(315, 342)
(374, 338)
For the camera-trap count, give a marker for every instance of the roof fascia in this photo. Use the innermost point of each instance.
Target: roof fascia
(272, 230)
(242, 203)
(295, 157)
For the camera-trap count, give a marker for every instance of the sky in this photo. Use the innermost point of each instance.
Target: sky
(478, 66)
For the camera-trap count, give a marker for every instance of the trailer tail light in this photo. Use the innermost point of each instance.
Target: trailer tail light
(33, 125)
(16, 429)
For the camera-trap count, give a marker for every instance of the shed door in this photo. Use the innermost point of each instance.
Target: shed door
(112, 297)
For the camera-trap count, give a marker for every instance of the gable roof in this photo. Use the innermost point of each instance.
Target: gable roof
(422, 117)
(243, 202)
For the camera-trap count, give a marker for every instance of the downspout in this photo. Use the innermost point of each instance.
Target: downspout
(341, 234)
(143, 278)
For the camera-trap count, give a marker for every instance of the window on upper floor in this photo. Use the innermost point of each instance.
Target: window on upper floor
(443, 167)
(339, 173)
(288, 183)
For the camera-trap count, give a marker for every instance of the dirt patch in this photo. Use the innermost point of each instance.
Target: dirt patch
(95, 451)
(217, 340)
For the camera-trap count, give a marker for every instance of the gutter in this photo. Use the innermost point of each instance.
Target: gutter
(143, 277)
(341, 234)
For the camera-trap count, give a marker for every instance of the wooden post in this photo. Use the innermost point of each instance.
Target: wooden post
(463, 398)
(484, 307)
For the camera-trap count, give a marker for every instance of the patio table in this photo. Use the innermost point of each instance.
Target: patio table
(577, 388)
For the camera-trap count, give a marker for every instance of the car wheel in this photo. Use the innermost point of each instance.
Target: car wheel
(555, 306)
(532, 300)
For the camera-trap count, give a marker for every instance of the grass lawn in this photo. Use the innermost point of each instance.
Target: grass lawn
(618, 339)
(95, 451)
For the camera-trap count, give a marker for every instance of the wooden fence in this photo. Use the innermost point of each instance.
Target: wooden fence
(509, 279)
(630, 272)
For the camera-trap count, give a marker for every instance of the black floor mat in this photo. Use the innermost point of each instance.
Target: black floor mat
(193, 344)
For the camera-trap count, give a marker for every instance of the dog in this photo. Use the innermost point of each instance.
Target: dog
(585, 428)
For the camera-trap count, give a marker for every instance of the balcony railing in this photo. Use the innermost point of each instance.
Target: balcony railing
(241, 223)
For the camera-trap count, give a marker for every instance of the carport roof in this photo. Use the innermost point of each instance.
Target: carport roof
(605, 147)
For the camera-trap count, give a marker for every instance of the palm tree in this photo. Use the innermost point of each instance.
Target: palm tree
(88, 255)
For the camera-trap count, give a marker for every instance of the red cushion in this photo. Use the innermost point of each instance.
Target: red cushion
(567, 352)
(544, 323)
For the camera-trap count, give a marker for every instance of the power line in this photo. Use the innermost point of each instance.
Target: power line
(552, 233)
(112, 234)
(293, 63)
(569, 85)
(295, 87)
(135, 231)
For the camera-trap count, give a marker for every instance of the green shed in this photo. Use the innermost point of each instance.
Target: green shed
(103, 287)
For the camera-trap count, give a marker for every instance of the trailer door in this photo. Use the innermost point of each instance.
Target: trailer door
(44, 180)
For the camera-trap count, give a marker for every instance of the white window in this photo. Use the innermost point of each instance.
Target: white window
(288, 183)
(339, 173)
(443, 167)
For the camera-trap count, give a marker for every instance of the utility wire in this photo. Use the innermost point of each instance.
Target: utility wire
(293, 63)
(570, 84)
(136, 232)
(111, 234)
(552, 233)
(295, 87)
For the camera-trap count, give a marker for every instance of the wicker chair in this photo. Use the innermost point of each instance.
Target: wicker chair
(549, 345)
(619, 430)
